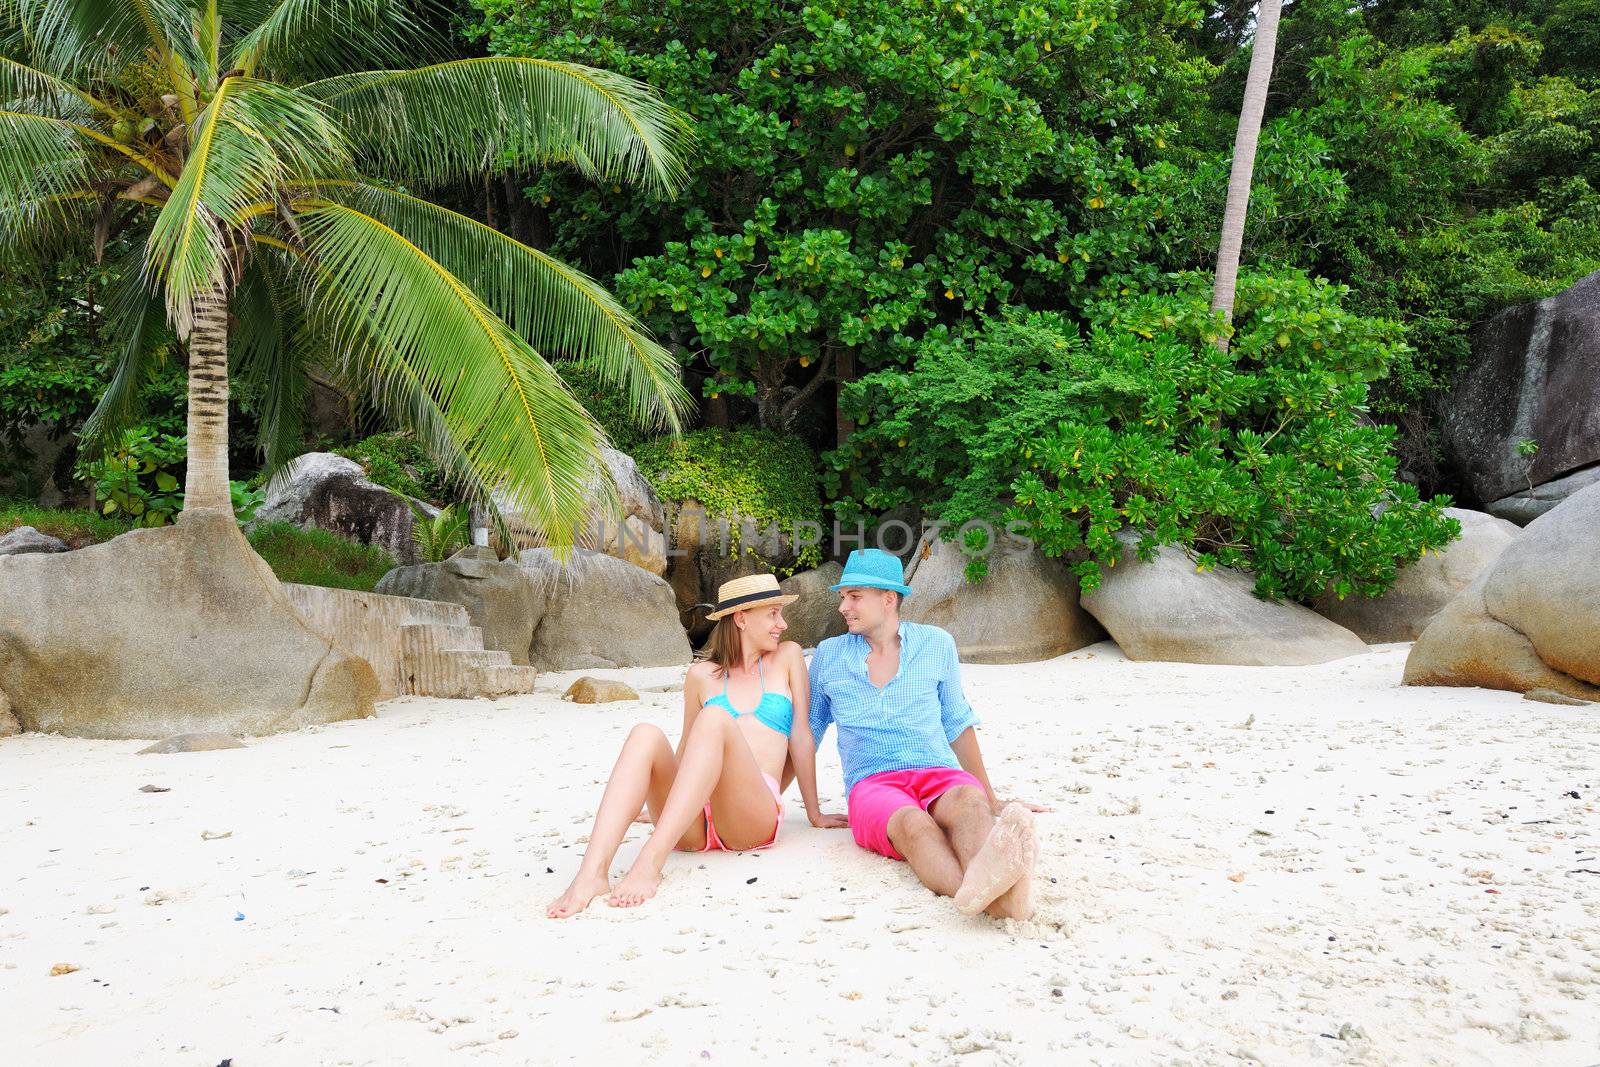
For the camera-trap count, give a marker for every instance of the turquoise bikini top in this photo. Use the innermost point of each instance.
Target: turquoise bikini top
(773, 710)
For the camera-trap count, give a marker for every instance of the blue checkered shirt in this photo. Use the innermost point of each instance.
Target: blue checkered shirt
(907, 724)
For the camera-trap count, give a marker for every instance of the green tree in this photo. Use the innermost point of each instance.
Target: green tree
(873, 168)
(255, 155)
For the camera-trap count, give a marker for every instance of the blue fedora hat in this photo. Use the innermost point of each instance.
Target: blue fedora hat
(873, 568)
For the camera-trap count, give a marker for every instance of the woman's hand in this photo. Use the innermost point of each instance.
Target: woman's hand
(830, 822)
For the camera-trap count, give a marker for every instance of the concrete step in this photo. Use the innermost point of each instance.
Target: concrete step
(504, 679)
(438, 658)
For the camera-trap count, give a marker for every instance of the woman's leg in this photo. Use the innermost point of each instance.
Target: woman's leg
(643, 775)
(717, 767)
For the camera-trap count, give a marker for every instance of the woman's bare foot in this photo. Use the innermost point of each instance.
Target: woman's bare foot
(638, 885)
(583, 889)
(1004, 860)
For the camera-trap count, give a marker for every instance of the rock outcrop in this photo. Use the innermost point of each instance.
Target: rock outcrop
(162, 631)
(25, 540)
(502, 599)
(1167, 610)
(1025, 609)
(602, 612)
(1535, 377)
(815, 616)
(329, 492)
(1425, 586)
(624, 518)
(1532, 619)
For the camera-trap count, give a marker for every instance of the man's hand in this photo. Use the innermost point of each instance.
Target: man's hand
(830, 822)
(996, 805)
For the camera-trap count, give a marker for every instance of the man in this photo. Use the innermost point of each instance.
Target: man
(912, 768)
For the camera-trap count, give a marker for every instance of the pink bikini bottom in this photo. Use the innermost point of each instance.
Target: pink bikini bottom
(716, 844)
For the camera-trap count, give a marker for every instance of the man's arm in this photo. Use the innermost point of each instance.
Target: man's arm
(960, 726)
(821, 706)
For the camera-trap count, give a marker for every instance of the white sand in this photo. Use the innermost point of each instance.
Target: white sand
(1401, 890)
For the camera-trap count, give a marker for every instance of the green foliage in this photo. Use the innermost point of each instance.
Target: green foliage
(317, 557)
(609, 408)
(141, 477)
(870, 168)
(246, 501)
(397, 461)
(758, 475)
(78, 529)
(248, 161)
(1257, 458)
(438, 537)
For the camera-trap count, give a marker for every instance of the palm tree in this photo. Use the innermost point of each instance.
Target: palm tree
(1244, 160)
(260, 158)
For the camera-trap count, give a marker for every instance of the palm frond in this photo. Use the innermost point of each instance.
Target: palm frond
(68, 37)
(557, 309)
(41, 159)
(459, 119)
(269, 353)
(134, 312)
(515, 423)
(252, 139)
(35, 92)
(299, 39)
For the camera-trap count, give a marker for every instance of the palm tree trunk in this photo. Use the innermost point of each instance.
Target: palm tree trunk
(1244, 161)
(206, 483)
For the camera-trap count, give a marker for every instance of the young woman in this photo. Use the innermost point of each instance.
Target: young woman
(745, 712)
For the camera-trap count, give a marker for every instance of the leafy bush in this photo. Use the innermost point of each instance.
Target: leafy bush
(78, 529)
(317, 557)
(141, 477)
(396, 461)
(756, 474)
(1258, 458)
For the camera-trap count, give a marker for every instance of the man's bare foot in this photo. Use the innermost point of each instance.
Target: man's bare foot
(1003, 860)
(1017, 902)
(583, 889)
(637, 886)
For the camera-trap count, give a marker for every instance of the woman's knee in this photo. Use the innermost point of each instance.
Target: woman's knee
(647, 734)
(710, 724)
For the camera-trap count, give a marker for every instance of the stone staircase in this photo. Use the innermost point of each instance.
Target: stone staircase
(421, 647)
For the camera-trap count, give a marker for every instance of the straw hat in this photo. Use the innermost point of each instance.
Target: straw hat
(753, 591)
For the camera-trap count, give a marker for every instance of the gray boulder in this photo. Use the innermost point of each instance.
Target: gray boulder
(624, 517)
(207, 742)
(815, 616)
(1425, 586)
(1025, 609)
(1166, 610)
(602, 612)
(502, 599)
(162, 631)
(25, 539)
(333, 493)
(1535, 376)
(1522, 508)
(1530, 621)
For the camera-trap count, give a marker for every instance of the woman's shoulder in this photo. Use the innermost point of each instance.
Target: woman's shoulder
(790, 652)
(702, 671)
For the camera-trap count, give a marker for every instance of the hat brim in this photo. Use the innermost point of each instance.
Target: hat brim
(776, 598)
(869, 581)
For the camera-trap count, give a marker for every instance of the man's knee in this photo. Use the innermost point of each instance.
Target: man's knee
(910, 823)
(963, 801)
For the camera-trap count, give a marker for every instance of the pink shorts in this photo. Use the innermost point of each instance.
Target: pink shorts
(874, 799)
(716, 844)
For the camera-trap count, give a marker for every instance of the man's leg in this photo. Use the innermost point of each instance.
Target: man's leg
(917, 837)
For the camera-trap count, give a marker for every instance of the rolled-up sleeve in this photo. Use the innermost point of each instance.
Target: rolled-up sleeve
(957, 714)
(821, 706)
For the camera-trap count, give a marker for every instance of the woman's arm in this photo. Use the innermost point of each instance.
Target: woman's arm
(693, 701)
(802, 750)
